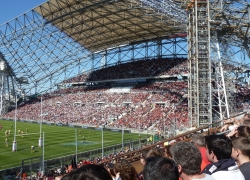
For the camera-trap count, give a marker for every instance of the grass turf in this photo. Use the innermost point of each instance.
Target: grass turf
(58, 141)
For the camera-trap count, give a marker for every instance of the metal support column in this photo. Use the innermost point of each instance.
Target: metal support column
(200, 106)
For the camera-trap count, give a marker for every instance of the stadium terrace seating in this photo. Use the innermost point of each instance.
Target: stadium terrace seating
(143, 107)
(243, 96)
(94, 106)
(155, 105)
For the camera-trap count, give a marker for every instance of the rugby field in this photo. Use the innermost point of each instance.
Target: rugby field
(58, 141)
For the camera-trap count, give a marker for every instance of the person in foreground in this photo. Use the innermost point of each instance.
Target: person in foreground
(199, 141)
(160, 168)
(219, 149)
(188, 158)
(241, 153)
(88, 172)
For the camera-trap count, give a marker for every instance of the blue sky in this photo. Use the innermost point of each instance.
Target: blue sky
(9, 9)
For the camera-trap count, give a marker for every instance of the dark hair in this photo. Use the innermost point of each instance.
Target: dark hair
(110, 167)
(220, 145)
(160, 168)
(243, 131)
(155, 151)
(246, 122)
(188, 156)
(126, 170)
(63, 171)
(89, 172)
(167, 151)
(144, 153)
(51, 173)
(243, 144)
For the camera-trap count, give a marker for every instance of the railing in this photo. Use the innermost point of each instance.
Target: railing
(206, 129)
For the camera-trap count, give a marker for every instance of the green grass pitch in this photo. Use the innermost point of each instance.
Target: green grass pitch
(58, 141)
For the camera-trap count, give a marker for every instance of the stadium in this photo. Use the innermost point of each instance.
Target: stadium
(99, 80)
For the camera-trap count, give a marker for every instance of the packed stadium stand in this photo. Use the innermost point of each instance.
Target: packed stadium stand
(151, 103)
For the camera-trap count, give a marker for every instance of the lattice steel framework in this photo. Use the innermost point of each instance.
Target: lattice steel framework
(7, 88)
(214, 29)
(229, 28)
(63, 38)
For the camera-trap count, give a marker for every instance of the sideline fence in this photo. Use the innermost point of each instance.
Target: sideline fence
(33, 165)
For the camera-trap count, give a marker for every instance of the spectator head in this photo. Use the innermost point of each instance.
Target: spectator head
(126, 170)
(155, 151)
(188, 158)
(243, 131)
(241, 148)
(246, 122)
(64, 170)
(89, 172)
(218, 147)
(144, 153)
(110, 168)
(246, 116)
(167, 151)
(51, 173)
(198, 139)
(160, 168)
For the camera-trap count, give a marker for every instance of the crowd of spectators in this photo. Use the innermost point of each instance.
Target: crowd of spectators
(243, 96)
(156, 106)
(141, 108)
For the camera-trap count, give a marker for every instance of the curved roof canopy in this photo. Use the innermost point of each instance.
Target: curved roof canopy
(101, 24)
